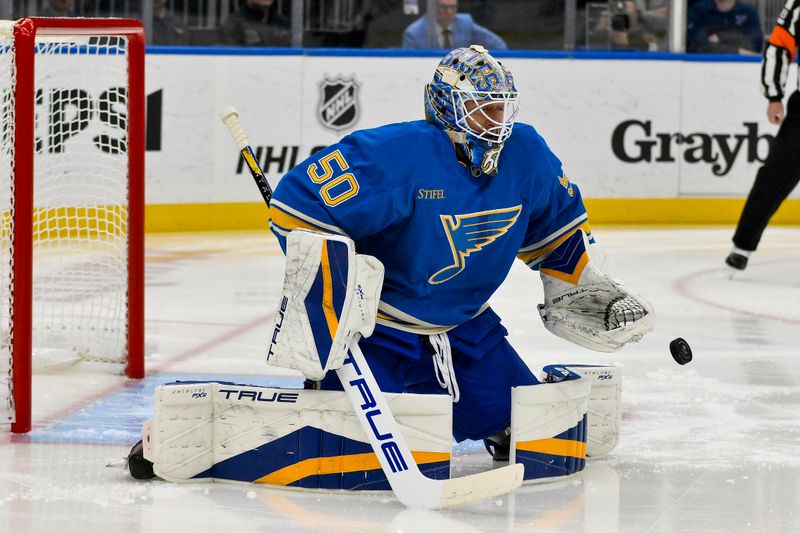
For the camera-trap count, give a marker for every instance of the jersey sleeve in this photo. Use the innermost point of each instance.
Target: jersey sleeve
(557, 211)
(343, 189)
(780, 52)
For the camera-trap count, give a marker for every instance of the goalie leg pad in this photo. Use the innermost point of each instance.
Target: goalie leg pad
(605, 411)
(330, 294)
(605, 408)
(548, 428)
(286, 437)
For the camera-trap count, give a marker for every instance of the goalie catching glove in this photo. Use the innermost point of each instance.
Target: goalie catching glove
(586, 306)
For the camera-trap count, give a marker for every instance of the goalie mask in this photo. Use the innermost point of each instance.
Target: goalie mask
(472, 97)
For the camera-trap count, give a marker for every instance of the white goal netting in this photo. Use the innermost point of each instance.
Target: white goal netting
(80, 201)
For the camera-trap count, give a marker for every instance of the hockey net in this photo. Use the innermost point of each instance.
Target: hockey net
(71, 190)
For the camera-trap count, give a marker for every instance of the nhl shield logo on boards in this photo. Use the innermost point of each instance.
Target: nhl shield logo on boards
(338, 103)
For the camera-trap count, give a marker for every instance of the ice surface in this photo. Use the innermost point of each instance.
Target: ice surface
(710, 446)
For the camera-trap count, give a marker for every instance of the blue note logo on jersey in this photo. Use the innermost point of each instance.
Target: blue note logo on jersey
(471, 233)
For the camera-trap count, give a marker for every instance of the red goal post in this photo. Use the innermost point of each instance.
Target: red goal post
(72, 107)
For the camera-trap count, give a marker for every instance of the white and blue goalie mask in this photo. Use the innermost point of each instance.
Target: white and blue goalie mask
(473, 98)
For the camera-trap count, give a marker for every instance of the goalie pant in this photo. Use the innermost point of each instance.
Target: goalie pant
(480, 371)
(326, 284)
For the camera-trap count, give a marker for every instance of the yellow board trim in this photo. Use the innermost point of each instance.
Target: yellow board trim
(562, 447)
(340, 464)
(680, 211)
(249, 216)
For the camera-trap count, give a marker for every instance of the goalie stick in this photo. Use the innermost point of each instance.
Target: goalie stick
(231, 119)
(409, 484)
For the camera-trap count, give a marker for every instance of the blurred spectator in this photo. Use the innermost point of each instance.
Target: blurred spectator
(724, 27)
(336, 24)
(628, 25)
(453, 30)
(256, 23)
(167, 29)
(523, 24)
(58, 8)
(385, 23)
(655, 16)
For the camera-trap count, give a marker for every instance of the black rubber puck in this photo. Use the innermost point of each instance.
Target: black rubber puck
(680, 351)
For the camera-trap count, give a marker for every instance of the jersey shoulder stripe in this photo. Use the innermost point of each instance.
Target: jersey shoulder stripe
(286, 218)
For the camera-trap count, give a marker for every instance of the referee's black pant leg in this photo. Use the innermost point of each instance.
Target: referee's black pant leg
(775, 180)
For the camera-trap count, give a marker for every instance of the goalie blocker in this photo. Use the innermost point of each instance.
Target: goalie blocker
(330, 295)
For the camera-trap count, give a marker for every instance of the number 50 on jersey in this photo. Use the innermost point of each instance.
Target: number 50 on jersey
(338, 184)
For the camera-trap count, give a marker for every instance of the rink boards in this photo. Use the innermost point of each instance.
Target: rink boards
(649, 138)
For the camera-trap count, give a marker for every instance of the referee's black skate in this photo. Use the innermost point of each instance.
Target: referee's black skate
(736, 261)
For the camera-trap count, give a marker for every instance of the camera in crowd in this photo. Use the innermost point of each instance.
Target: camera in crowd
(620, 20)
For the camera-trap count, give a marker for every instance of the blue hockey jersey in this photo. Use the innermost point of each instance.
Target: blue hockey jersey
(446, 238)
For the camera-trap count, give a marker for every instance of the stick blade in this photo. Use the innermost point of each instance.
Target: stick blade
(476, 487)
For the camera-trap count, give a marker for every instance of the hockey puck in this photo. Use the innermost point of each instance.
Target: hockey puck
(680, 351)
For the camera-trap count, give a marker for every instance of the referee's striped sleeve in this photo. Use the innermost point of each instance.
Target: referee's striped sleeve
(780, 52)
